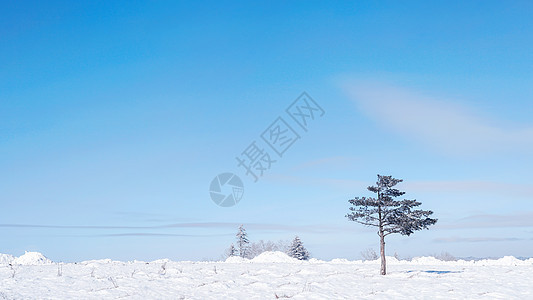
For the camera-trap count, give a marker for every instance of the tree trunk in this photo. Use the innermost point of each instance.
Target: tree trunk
(382, 252)
(381, 238)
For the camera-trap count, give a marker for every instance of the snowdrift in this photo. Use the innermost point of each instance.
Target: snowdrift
(6, 259)
(36, 258)
(274, 257)
(31, 258)
(236, 259)
(268, 276)
(265, 257)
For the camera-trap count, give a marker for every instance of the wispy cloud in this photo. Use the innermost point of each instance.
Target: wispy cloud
(475, 239)
(442, 186)
(148, 217)
(523, 219)
(44, 226)
(493, 187)
(210, 225)
(227, 226)
(441, 124)
(151, 234)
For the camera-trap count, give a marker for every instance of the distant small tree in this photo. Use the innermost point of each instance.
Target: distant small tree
(369, 254)
(388, 215)
(242, 242)
(396, 255)
(445, 256)
(297, 250)
(231, 251)
(261, 246)
(283, 245)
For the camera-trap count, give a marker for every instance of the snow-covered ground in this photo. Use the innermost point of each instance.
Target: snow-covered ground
(269, 276)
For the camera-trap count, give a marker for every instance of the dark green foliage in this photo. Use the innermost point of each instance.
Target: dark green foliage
(394, 216)
(389, 215)
(297, 250)
(242, 242)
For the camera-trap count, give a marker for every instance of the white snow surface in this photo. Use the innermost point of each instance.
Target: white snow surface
(236, 259)
(270, 275)
(6, 259)
(31, 258)
(273, 257)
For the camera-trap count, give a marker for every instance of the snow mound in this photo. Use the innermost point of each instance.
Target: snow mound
(97, 261)
(340, 261)
(236, 259)
(273, 257)
(31, 258)
(427, 260)
(504, 261)
(392, 260)
(161, 261)
(315, 261)
(6, 259)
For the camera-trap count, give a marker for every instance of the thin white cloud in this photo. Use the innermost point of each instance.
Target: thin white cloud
(520, 220)
(149, 234)
(481, 187)
(458, 186)
(444, 125)
(475, 239)
(228, 226)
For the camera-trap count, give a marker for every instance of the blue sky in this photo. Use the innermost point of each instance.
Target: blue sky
(115, 117)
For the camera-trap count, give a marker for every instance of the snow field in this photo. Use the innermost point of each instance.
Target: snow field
(269, 276)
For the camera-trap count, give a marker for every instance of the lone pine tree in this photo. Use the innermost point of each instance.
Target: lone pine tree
(388, 215)
(297, 250)
(242, 242)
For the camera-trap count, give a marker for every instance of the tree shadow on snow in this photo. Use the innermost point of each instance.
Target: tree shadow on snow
(434, 271)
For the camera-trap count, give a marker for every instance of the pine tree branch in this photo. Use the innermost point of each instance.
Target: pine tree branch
(367, 224)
